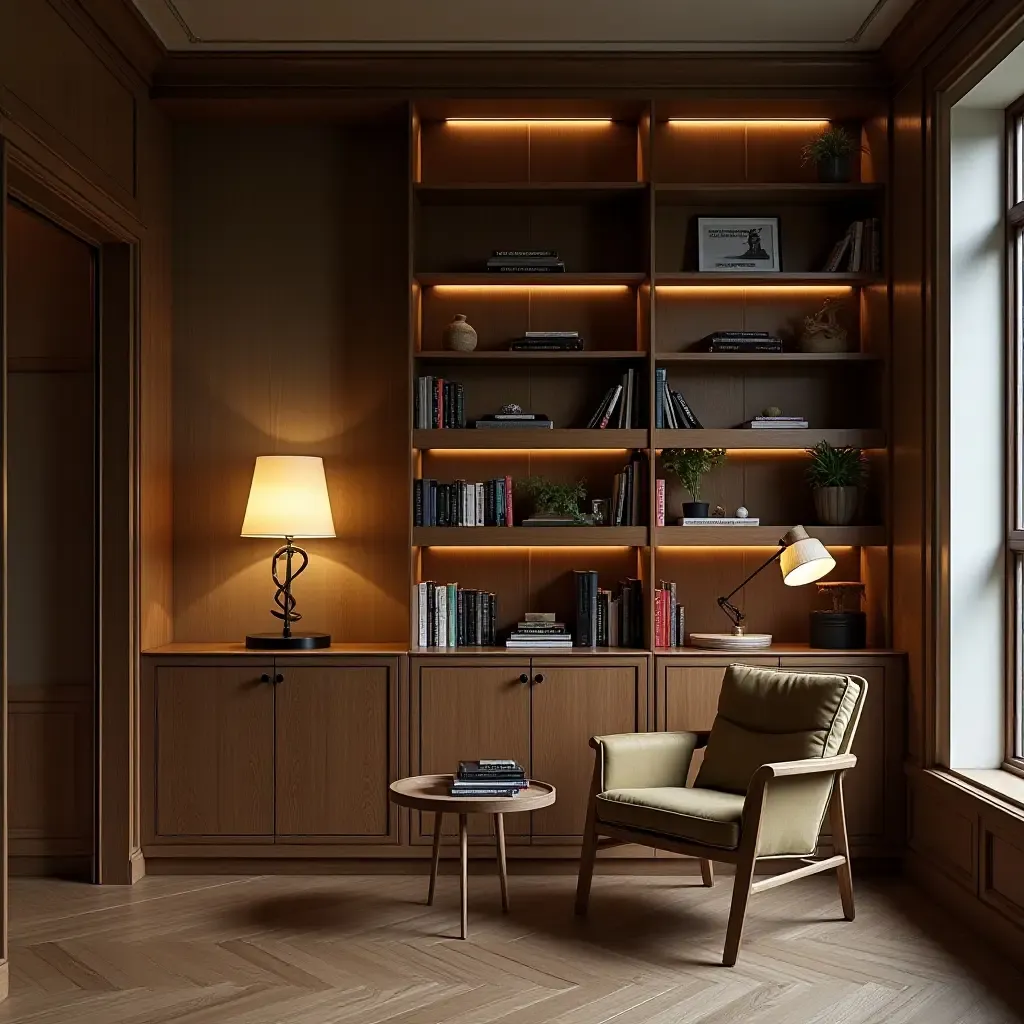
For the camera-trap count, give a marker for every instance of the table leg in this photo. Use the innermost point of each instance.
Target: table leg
(438, 817)
(499, 831)
(463, 868)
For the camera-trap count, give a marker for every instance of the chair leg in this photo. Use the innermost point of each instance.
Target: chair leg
(707, 872)
(738, 909)
(587, 857)
(841, 844)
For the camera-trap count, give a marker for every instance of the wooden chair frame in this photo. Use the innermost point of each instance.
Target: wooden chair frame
(745, 855)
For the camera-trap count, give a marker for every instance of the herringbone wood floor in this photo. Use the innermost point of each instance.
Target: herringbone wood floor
(348, 950)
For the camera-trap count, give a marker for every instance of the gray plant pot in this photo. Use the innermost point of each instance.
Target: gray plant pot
(836, 506)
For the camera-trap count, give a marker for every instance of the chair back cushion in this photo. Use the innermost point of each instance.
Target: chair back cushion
(765, 715)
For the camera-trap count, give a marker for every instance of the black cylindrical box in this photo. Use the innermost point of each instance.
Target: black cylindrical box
(839, 630)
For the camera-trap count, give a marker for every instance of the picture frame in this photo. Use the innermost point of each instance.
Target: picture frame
(738, 245)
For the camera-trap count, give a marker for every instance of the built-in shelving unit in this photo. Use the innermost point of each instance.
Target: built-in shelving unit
(617, 190)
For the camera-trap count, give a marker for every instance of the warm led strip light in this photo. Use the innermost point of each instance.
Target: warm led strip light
(527, 122)
(746, 122)
(755, 286)
(451, 289)
(490, 549)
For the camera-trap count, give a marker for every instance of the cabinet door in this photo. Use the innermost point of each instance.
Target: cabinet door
(335, 749)
(571, 704)
(466, 711)
(214, 750)
(688, 696)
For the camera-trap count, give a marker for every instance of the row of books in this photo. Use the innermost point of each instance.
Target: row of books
(627, 488)
(669, 617)
(448, 616)
(525, 261)
(548, 341)
(860, 249)
(459, 503)
(741, 341)
(499, 776)
(620, 407)
(671, 410)
(542, 630)
(607, 620)
(438, 403)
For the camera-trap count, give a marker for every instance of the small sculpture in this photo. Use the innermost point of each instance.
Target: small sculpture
(719, 512)
(771, 410)
(511, 410)
(823, 332)
(459, 336)
(741, 512)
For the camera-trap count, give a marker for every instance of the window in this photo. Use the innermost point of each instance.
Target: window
(1015, 421)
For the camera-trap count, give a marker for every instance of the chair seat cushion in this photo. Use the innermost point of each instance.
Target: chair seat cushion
(700, 815)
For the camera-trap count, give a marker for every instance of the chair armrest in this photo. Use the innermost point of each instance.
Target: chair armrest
(807, 766)
(644, 760)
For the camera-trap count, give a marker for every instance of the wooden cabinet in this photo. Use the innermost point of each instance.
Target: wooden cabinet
(214, 750)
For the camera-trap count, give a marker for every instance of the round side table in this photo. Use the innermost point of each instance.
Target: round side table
(431, 793)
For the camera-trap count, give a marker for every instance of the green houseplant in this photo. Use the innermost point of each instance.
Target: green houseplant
(555, 499)
(691, 465)
(836, 476)
(831, 151)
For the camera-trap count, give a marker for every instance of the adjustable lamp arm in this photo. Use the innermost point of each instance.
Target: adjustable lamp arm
(735, 615)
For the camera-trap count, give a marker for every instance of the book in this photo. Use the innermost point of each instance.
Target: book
(835, 257)
(720, 521)
(857, 247)
(551, 334)
(714, 336)
(524, 254)
(595, 419)
(540, 617)
(685, 411)
(549, 520)
(557, 268)
(518, 345)
(782, 425)
(586, 607)
(438, 404)
(606, 416)
(659, 488)
(517, 424)
(511, 792)
(757, 346)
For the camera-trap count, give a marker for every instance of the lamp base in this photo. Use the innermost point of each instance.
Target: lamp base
(731, 641)
(295, 642)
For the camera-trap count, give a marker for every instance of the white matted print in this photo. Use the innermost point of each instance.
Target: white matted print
(744, 245)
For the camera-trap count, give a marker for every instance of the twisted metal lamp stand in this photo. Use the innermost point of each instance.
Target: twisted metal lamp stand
(285, 601)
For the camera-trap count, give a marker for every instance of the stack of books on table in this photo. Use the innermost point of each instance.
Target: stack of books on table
(777, 423)
(742, 341)
(525, 261)
(500, 776)
(514, 421)
(539, 629)
(548, 341)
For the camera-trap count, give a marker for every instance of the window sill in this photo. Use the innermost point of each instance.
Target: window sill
(1002, 784)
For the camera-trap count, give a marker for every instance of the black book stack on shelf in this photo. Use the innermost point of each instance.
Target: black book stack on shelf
(499, 776)
(525, 261)
(547, 341)
(742, 341)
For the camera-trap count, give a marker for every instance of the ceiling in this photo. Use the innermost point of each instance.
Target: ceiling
(680, 25)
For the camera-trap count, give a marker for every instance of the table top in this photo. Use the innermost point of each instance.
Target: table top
(430, 793)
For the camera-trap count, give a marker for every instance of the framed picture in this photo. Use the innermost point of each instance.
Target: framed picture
(746, 245)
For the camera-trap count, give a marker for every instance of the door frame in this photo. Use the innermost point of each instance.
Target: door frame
(118, 858)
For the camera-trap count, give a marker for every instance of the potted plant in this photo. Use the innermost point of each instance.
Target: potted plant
(831, 152)
(553, 500)
(691, 465)
(836, 476)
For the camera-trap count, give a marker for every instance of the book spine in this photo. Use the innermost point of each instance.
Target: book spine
(660, 377)
(478, 491)
(659, 625)
(660, 491)
(673, 605)
(431, 614)
(508, 501)
(620, 504)
(681, 626)
(616, 397)
(417, 503)
(687, 412)
(421, 615)
(737, 346)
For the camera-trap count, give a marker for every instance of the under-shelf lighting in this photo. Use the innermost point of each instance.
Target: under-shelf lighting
(748, 122)
(512, 286)
(486, 549)
(527, 122)
(492, 452)
(704, 549)
(761, 289)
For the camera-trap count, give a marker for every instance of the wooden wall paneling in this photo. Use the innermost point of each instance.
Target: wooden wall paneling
(1001, 865)
(4, 747)
(942, 826)
(282, 320)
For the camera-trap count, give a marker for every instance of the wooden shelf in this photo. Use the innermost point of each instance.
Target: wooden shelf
(698, 193)
(500, 438)
(197, 649)
(528, 652)
(525, 193)
(504, 356)
(750, 536)
(711, 279)
(727, 359)
(788, 650)
(739, 438)
(430, 280)
(530, 536)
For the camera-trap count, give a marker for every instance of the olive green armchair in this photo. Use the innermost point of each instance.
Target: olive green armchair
(773, 766)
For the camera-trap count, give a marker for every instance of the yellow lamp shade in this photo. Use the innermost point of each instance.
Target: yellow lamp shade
(804, 559)
(288, 498)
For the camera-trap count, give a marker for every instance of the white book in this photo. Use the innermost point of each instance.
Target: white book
(421, 612)
(722, 521)
(786, 425)
(480, 504)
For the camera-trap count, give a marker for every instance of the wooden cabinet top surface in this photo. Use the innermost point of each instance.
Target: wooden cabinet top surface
(240, 649)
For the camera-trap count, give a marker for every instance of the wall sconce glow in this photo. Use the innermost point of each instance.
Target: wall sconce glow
(527, 122)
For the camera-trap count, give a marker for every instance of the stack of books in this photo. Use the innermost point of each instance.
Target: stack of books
(671, 410)
(742, 341)
(776, 423)
(448, 616)
(548, 341)
(607, 620)
(627, 488)
(438, 403)
(669, 617)
(514, 421)
(462, 504)
(626, 616)
(859, 250)
(525, 261)
(719, 521)
(539, 629)
(620, 407)
(500, 776)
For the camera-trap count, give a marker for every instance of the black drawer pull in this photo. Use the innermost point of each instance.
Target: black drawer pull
(264, 678)
(279, 678)
(538, 678)
(524, 678)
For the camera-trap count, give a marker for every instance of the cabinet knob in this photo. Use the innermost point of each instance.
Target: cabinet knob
(538, 678)
(524, 678)
(264, 678)
(279, 678)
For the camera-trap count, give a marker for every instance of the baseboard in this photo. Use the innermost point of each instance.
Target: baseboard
(1004, 936)
(74, 868)
(136, 867)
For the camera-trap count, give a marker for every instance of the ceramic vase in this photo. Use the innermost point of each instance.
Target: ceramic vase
(836, 506)
(460, 336)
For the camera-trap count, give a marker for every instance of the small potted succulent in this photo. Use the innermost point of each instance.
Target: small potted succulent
(836, 476)
(831, 151)
(691, 465)
(553, 500)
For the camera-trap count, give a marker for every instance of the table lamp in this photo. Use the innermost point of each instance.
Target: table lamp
(288, 499)
(803, 559)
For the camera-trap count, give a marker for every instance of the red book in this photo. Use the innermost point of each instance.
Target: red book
(440, 404)
(508, 501)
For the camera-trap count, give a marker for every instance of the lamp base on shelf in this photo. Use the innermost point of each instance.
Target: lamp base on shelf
(295, 642)
(731, 641)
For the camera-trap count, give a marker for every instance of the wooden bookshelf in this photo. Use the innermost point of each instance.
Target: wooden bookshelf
(505, 356)
(707, 279)
(756, 536)
(778, 439)
(501, 438)
(530, 536)
(728, 360)
(496, 280)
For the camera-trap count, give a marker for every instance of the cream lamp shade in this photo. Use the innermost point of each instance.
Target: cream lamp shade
(804, 559)
(288, 498)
